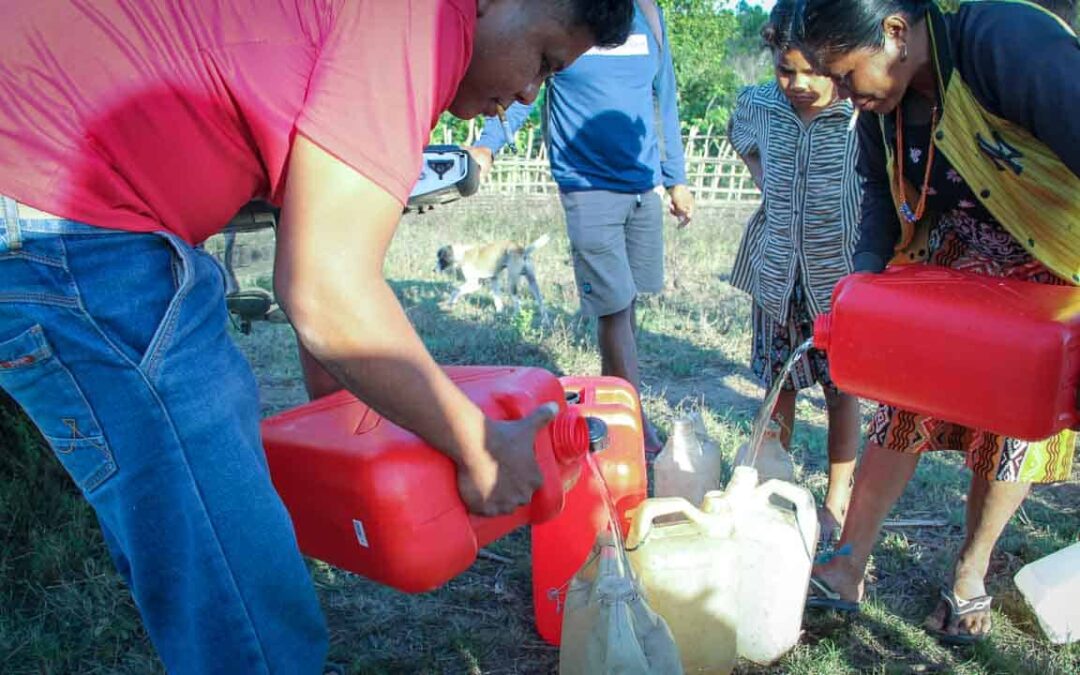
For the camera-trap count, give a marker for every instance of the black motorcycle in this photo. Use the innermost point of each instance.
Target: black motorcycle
(448, 174)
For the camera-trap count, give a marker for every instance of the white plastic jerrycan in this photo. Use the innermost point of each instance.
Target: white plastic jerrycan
(772, 461)
(685, 467)
(1051, 585)
(775, 535)
(687, 568)
(608, 629)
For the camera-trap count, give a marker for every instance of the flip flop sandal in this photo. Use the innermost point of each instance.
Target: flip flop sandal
(959, 608)
(821, 595)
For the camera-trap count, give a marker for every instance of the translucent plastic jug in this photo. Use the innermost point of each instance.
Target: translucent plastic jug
(1051, 585)
(609, 629)
(708, 445)
(373, 498)
(985, 352)
(689, 571)
(772, 461)
(561, 545)
(775, 550)
(685, 468)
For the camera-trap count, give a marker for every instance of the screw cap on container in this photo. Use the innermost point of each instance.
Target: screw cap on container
(598, 434)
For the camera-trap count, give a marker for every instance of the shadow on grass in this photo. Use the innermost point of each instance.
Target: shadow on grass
(880, 640)
(492, 338)
(519, 339)
(910, 564)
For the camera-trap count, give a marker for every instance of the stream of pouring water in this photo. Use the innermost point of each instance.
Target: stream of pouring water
(761, 420)
(613, 514)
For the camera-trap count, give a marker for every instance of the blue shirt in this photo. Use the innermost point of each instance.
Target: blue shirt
(601, 115)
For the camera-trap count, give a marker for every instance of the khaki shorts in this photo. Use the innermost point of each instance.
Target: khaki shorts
(617, 244)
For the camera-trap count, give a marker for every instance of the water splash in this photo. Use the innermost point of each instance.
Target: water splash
(764, 414)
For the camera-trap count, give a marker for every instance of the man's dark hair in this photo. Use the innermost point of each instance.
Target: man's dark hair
(608, 20)
(841, 26)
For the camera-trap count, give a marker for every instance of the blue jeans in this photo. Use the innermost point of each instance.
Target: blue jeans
(116, 345)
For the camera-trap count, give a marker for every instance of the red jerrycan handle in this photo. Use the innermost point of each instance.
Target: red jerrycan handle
(564, 441)
(823, 331)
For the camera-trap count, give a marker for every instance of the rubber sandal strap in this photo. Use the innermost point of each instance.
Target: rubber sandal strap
(959, 607)
(827, 556)
(823, 588)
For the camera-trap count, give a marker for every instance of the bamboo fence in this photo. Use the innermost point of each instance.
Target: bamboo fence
(714, 172)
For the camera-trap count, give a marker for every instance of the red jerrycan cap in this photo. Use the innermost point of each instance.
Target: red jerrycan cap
(598, 434)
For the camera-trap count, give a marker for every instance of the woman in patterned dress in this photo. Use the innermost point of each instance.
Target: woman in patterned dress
(967, 137)
(793, 135)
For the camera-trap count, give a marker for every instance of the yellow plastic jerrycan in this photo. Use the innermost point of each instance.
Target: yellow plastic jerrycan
(775, 532)
(687, 568)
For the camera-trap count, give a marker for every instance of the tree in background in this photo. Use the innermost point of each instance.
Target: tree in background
(749, 57)
(702, 35)
(717, 50)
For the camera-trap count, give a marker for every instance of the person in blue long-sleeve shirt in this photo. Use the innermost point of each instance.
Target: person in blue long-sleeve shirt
(612, 128)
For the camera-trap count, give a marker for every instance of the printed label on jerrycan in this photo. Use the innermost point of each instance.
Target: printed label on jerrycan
(361, 536)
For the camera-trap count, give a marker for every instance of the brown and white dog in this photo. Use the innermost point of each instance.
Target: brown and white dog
(481, 262)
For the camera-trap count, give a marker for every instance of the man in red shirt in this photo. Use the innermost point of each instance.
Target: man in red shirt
(129, 133)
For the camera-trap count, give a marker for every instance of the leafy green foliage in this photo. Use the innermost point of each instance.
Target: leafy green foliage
(701, 38)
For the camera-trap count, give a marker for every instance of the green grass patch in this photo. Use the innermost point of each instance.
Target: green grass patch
(66, 611)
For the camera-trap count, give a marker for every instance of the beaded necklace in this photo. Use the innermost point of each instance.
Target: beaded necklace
(913, 216)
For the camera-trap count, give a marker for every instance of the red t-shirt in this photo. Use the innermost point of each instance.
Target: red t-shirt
(170, 115)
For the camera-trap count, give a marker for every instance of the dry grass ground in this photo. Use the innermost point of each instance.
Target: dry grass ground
(65, 611)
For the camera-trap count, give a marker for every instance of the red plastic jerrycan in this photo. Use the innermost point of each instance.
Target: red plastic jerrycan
(372, 498)
(989, 353)
(561, 546)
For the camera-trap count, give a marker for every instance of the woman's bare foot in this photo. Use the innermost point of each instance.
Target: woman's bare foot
(842, 576)
(973, 623)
